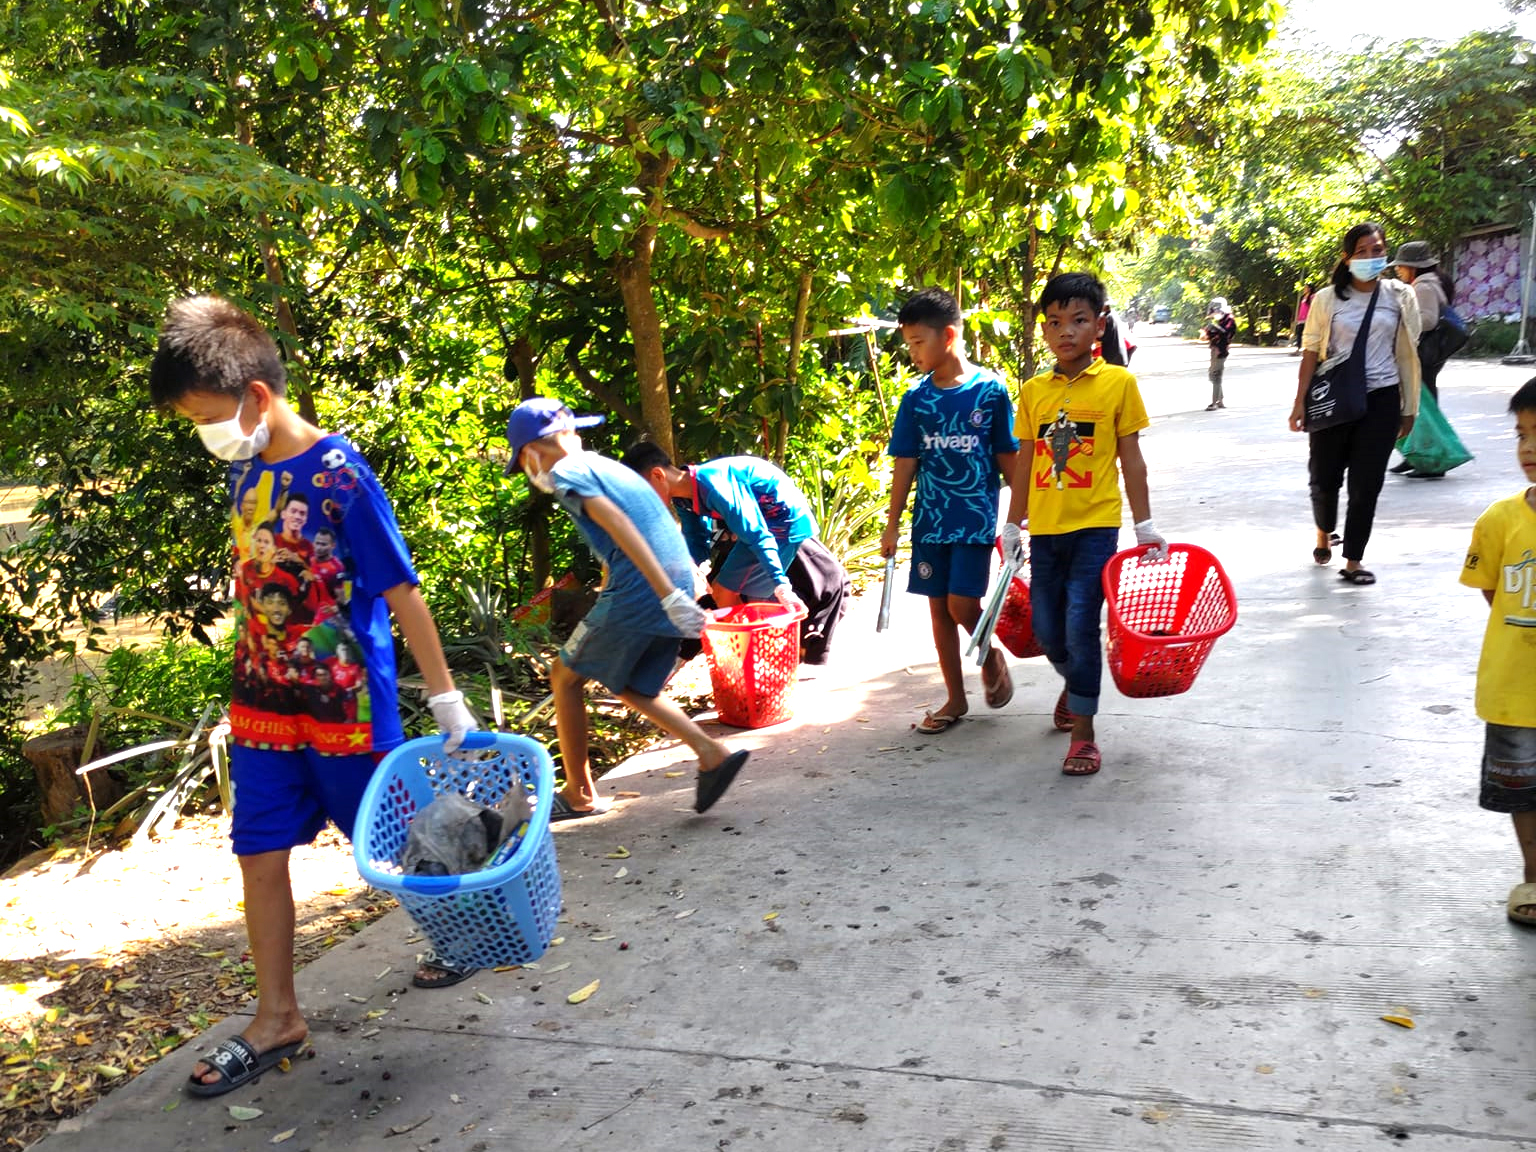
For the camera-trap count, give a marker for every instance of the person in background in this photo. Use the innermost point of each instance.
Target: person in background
(1435, 291)
(1114, 347)
(1303, 306)
(1361, 447)
(1220, 328)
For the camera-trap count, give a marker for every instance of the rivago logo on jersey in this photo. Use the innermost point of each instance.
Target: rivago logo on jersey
(959, 442)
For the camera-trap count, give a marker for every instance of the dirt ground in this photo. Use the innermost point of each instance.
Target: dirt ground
(112, 960)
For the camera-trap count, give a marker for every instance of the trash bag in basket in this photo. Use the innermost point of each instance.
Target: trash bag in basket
(453, 835)
(504, 913)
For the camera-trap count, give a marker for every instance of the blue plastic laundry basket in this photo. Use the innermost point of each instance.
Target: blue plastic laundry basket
(503, 914)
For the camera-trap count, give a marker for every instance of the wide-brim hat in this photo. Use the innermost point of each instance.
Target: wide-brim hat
(1415, 254)
(1219, 304)
(537, 418)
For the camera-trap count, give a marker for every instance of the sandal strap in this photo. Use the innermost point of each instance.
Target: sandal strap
(234, 1058)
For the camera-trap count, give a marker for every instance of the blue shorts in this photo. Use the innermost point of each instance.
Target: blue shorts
(950, 570)
(621, 660)
(283, 799)
(741, 573)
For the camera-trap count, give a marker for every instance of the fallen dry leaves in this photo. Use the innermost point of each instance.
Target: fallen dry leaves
(78, 1025)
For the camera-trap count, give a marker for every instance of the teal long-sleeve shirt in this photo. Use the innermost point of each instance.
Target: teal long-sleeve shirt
(760, 505)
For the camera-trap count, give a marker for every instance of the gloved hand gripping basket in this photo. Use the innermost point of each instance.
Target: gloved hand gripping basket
(506, 912)
(1165, 616)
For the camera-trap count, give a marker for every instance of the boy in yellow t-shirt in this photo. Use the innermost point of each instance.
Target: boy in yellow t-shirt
(1502, 562)
(1081, 417)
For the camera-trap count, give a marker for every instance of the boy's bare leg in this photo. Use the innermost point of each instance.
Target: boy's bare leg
(269, 925)
(671, 719)
(1525, 832)
(565, 684)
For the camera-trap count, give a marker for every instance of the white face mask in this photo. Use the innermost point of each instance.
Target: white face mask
(1366, 268)
(227, 440)
(539, 478)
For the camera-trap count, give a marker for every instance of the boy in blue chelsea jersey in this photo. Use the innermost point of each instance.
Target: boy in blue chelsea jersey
(320, 567)
(954, 435)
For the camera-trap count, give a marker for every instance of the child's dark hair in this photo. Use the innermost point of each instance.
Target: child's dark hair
(1341, 273)
(643, 455)
(1524, 399)
(208, 344)
(1070, 286)
(931, 307)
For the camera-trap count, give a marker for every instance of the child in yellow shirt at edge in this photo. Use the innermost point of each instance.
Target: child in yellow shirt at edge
(1502, 563)
(1081, 416)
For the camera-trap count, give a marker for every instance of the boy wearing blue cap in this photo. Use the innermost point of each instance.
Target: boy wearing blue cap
(629, 641)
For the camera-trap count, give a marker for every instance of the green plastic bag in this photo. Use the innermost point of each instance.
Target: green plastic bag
(1433, 445)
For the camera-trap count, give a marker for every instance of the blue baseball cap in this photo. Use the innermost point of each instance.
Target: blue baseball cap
(534, 419)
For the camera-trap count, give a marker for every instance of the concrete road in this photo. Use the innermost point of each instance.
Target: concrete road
(884, 941)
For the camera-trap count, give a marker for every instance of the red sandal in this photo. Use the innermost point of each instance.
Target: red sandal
(1062, 717)
(1081, 750)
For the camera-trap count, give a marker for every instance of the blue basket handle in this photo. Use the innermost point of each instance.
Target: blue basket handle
(479, 739)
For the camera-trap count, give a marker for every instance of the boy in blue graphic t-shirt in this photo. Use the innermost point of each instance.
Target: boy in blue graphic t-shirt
(954, 435)
(314, 690)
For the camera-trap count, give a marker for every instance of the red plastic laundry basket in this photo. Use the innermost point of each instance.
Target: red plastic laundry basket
(1014, 629)
(1164, 617)
(753, 652)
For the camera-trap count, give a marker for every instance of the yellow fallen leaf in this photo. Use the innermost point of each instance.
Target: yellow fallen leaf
(558, 940)
(770, 916)
(214, 955)
(505, 968)
(558, 968)
(619, 853)
(127, 985)
(283, 1136)
(1314, 993)
(110, 1071)
(1400, 1021)
(582, 994)
(627, 795)
(58, 1082)
(600, 939)
(1264, 1069)
(19, 989)
(483, 998)
(106, 986)
(375, 1013)
(685, 912)
(673, 775)
(82, 1039)
(51, 1016)
(621, 873)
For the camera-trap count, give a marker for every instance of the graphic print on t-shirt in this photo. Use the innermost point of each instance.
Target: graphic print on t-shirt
(299, 677)
(1064, 453)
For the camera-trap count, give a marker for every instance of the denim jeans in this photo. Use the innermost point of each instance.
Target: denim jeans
(1066, 598)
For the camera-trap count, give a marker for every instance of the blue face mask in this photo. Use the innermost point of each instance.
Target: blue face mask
(1367, 267)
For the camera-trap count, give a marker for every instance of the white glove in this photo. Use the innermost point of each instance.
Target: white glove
(686, 616)
(1146, 534)
(1013, 544)
(785, 595)
(454, 720)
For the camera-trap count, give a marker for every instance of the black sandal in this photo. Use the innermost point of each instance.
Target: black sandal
(1322, 555)
(1359, 576)
(434, 973)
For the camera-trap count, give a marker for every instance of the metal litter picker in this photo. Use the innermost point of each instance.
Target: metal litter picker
(981, 639)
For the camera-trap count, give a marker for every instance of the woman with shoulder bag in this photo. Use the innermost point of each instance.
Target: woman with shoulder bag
(1435, 291)
(1389, 361)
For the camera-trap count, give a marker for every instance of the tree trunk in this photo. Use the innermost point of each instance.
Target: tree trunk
(634, 273)
(54, 756)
